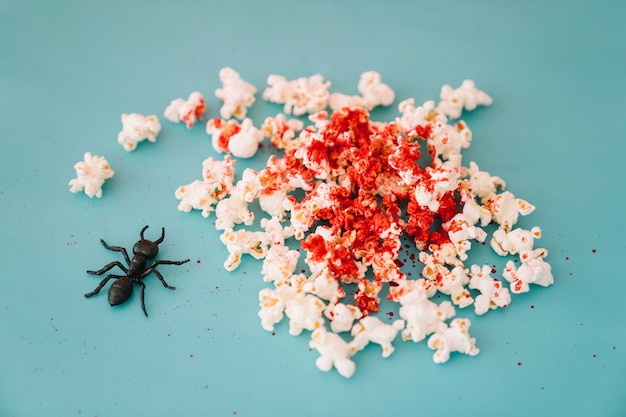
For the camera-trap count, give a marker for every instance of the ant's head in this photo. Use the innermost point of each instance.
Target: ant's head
(146, 247)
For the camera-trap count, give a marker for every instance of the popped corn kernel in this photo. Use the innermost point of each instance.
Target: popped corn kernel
(237, 94)
(372, 329)
(188, 111)
(241, 140)
(91, 173)
(299, 96)
(453, 338)
(137, 128)
(467, 96)
(334, 352)
(492, 293)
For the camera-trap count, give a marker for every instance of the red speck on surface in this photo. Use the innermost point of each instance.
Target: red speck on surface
(593, 250)
(198, 261)
(191, 355)
(532, 306)
(519, 364)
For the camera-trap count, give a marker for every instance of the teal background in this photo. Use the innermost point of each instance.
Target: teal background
(555, 134)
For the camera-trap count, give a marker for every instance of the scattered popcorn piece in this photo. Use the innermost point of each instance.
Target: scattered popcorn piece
(241, 140)
(492, 293)
(282, 132)
(136, 128)
(467, 97)
(305, 312)
(273, 301)
(481, 183)
(454, 338)
(515, 241)
(372, 329)
(90, 175)
(240, 242)
(421, 315)
(237, 94)
(300, 96)
(218, 177)
(534, 271)
(374, 91)
(333, 350)
(505, 209)
(342, 316)
(188, 111)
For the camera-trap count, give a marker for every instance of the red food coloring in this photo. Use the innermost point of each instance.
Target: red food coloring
(198, 261)
(593, 251)
(519, 364)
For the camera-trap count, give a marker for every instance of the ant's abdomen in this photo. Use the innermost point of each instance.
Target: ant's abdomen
(120, 291)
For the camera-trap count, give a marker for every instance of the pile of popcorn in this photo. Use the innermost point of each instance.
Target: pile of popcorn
(364, 190)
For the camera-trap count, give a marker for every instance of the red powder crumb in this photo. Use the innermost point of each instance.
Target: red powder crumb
(593, 250)
(532, 306)
(191, 355)
(519, 364)
(198, 261)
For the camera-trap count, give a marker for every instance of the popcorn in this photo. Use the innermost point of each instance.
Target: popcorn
(373, 93)
(454, 338)
(242, 141)
(334, 352)
(505, 209)
(492, 293)
(349, 190)
(534, 271)
(188, 111)
(282, 132)
(300, 96)
(90, 175)
(467, 97)
(372, 329)
(237, 94)
(422, 316)
(218, 177)
(136, 128)
(342, 316)
(240, 242)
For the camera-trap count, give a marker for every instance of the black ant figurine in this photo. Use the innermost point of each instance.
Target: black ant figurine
(122, 287)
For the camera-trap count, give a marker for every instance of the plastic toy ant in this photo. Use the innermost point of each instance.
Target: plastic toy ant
(122, 287)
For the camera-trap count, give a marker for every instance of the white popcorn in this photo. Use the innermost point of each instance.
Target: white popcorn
(372, 329)
(188, 111)
(237, 94)
(450, 282)
(300, 96)
(279, 263)
(305, 312)
(90, 175)
(534, 271)
(342, 316)
(374, 91)
(454, 338)
(334, 351)
(240, 242)
(481, 183)
(136, 128)
(467, 97)
(421, 315)
(323, 285)
(274, 301)
(505, 209)
(492, 293)
(218, 177)
(448, 141)
(516, 241)
(337, 101)
(198, 195)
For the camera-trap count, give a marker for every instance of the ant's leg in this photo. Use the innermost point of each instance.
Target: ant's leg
(143, 230)
(116, 249)
(107, 267)
(165, 284)
(102, 284)
(164, 262)
(143, 304)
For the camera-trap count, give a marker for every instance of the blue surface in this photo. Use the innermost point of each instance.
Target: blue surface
(555, 133)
